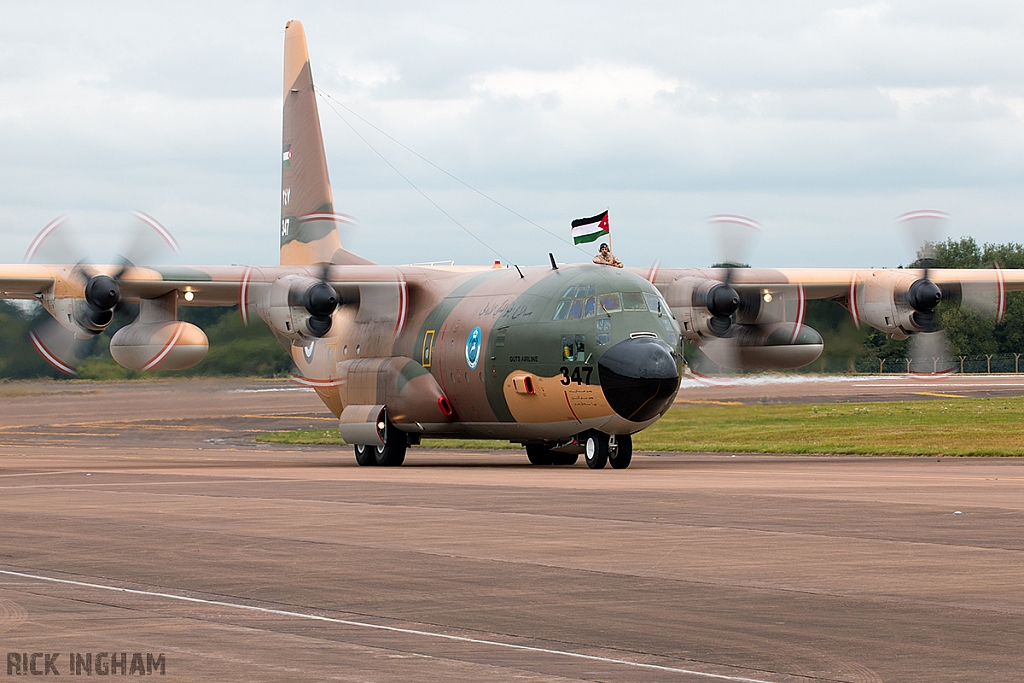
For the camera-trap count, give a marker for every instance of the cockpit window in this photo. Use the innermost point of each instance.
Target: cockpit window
(563, 309)
(582, 301)
(633, 301)
(610, 303)
(576, 309)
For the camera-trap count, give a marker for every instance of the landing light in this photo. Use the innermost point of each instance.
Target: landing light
(767, 297)
(189, 296)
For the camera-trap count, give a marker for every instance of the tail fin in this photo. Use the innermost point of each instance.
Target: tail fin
(308, 222)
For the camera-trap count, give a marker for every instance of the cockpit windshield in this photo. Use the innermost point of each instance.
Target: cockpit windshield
(582, 301)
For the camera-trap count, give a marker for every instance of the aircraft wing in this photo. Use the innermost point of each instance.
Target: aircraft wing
(213, 286)
(209, 285)
(835, 283)
(295, 301)
(754, 317)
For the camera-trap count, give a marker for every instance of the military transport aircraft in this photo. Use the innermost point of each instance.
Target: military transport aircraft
(565, 359)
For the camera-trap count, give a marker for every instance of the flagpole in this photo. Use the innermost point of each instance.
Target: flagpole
(611, 247)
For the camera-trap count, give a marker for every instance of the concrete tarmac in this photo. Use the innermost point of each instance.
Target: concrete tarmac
(142, 518)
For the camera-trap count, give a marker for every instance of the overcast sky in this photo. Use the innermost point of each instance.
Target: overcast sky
(823, 121)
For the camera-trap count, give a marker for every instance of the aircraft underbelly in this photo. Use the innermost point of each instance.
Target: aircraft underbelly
(532, 431)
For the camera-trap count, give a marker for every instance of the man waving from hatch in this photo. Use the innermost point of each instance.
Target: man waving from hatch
(607, 258)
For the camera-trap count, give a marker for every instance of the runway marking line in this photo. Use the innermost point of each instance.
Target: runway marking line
(975, 385)
(392, 629)
(932, 393)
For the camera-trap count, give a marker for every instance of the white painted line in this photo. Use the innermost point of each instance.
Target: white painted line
(894, 380)
(263, 391)
(393, 629)
(941, 385)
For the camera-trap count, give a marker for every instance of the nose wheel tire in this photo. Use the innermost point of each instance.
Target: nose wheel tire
(620, 450)
(596, 453)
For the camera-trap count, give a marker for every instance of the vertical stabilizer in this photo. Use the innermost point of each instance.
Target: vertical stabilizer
(308, 221)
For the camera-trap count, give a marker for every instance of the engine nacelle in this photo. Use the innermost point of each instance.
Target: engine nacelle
(778, 346)
(897, 303)
(166, 345)
(702, 306)
(299, 307)
(89, 314)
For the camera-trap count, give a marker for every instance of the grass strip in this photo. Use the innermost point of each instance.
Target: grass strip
(947, 427)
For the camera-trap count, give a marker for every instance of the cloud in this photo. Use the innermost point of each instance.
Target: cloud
(818, 119)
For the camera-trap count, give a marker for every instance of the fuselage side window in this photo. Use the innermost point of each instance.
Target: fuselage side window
(568, 347)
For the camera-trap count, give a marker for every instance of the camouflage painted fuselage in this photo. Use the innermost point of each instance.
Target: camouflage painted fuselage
(515, 357)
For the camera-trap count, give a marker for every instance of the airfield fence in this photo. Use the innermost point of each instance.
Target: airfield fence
(979, 364)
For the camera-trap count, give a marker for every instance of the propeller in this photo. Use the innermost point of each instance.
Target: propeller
(65, 338)
(734, 236)
(760, 316)
(929, 349)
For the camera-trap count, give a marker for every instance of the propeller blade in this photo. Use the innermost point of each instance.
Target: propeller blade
(924, 228)
(53, 244)
(734, 237)
(930, 354)
(58, 345)
(156, 229)
(724, 353)
(986, 297)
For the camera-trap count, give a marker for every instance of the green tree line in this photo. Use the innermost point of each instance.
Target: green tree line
(235, 349)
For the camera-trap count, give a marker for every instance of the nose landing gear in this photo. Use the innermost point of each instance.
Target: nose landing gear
(598, 449)
(601, 449)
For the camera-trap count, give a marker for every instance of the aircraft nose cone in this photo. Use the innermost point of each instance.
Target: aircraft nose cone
(639, 377)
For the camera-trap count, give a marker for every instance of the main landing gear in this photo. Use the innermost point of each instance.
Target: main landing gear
(539, 455)
(391, 454)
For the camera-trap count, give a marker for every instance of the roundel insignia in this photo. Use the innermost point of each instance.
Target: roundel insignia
(473, 348)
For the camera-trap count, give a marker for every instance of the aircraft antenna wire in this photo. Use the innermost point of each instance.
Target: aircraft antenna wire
(454, 177)
(415, 187)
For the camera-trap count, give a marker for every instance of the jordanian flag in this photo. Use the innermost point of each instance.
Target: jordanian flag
(589, 229)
